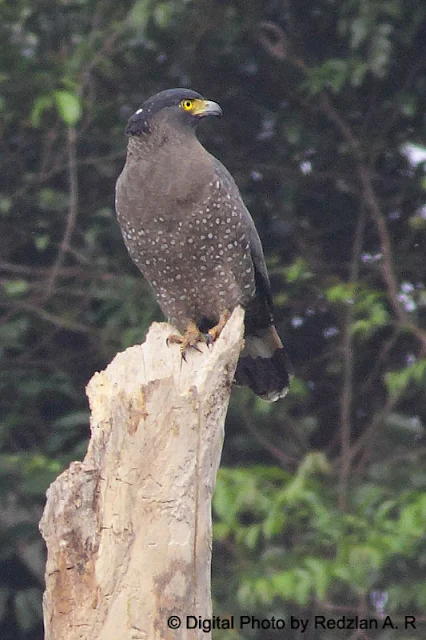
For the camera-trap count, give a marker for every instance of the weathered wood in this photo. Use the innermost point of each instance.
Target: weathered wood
(128, 530)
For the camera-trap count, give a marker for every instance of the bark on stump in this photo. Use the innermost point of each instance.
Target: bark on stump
(128, 530)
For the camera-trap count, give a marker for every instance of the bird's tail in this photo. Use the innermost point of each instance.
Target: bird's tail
(264, 366)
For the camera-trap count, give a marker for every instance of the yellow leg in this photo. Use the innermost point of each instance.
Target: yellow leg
(189, 339)
(215, 331)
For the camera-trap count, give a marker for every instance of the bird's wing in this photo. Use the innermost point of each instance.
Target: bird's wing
(263, 285)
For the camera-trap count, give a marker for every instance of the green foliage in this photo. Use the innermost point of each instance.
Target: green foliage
(298, 271)
(341, 292)
(319, 550)
(69, 107)
(16, 287)
(370, 312)
(398, 381)
(334, 74)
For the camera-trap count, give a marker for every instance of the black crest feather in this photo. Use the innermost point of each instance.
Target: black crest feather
(140, 121)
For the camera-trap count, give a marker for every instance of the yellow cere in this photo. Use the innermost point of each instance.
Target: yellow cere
(194, 106)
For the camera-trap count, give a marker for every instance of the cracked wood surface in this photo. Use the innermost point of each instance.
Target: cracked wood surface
(128, 530)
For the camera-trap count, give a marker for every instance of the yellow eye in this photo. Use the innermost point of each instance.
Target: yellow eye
(187, 104)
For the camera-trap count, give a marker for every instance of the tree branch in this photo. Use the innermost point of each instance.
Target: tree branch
(72, 211)
(348, 362)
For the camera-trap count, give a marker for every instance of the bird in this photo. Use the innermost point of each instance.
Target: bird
(187, 229)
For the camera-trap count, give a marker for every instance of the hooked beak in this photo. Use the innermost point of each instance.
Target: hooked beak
(204, 108)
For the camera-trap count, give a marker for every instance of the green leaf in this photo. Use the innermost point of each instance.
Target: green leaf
(340, 293)
(320, 575)
(42, 241)
(284, 583)
(358, 74)
(223, 502)
(221, 530)
(16, 287)
(164, 13)
(41, 104)
(303, 586)
(299, 388)
(139, 14)
(359, 29)
(5, 205)
(298, 271)
(380, 50)
(397, 381)
(263, 590)
(251, 536)
(69, 107)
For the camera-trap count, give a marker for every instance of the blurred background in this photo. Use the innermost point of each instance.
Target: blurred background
(320, 506)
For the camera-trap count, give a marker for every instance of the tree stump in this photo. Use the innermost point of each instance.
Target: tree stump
(128, 530)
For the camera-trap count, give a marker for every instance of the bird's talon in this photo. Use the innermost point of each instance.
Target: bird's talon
(209, 340)
(190, 339)
(173, 338)
(215, 331)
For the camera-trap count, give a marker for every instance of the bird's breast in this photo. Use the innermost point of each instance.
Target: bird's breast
(191, 244)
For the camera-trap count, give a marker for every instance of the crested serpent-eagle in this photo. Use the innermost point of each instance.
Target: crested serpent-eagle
(186, 227)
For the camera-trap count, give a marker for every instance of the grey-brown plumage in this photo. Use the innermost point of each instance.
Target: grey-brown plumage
(187, 229)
